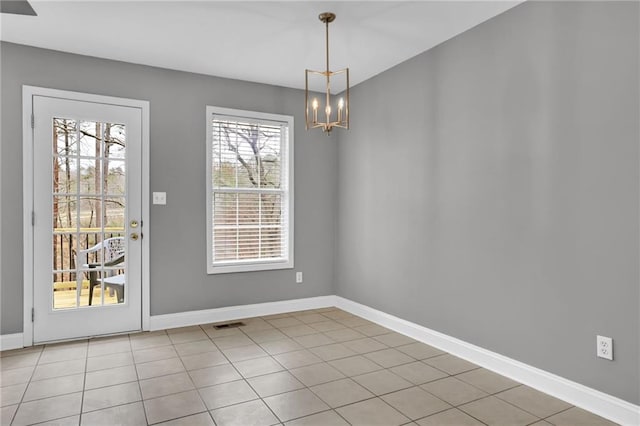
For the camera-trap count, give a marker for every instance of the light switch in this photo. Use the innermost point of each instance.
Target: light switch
(160, 198)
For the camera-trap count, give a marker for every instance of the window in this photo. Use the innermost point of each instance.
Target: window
(249, 191)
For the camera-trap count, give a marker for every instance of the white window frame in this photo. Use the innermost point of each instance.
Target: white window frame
(254, 264)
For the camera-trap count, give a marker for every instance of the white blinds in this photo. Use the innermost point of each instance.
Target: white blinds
(249, 190)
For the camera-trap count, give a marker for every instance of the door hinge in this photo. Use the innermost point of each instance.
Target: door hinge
(33, 218)
(33, 314)
(33, 122)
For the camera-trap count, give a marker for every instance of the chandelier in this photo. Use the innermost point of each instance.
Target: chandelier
(330, 117)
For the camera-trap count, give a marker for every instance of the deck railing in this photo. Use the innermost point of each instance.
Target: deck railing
(67, 242)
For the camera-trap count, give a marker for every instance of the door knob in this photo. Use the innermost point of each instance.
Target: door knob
(134, 236)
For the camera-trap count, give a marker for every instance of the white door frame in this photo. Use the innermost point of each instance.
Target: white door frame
(28, 92)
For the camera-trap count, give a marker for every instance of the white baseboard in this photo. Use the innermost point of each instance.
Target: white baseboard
(11, 341)
(182, 319)
(602, 404)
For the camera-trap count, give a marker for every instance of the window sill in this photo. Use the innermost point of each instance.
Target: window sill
(228, 268)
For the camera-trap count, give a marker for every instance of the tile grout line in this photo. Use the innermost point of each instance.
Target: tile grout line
(143, 399)
(285, 369)
(419, 386)
(457, 409)
(249, 383)
(331, 408)
(322, 361)
(190, 379)
(555, 414)
(495, 395)
(118, 384)
(52, 378)
(334, 409)
(243, 378)
(84, 382)
(15, 414)
(289, 372)
(144, 410)
(450, 406)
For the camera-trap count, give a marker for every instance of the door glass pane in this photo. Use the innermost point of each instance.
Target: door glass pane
(90, 218)
(115, 182)
(91, 138)
(91, 176)
(65, 171)
(115, 141)
(92, 290)
(65, 174)
(65, 214)
(114, 211)
(64, 290)
(64, 266)
(65, 137)
(89, 214)
(64, 251)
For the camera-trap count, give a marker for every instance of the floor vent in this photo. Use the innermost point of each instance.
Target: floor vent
(228, 325)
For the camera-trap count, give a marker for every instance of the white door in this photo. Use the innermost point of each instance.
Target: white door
(87, 203)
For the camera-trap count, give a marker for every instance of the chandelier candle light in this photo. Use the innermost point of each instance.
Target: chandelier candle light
(339, 118)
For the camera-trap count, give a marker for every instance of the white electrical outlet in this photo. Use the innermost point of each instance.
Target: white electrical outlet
(299, 277)
(604, 347)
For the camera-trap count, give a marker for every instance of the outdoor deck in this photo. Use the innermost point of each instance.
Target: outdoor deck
(64, 295)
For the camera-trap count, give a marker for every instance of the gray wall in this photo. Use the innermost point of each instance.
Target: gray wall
(489, 190)
(177, 153)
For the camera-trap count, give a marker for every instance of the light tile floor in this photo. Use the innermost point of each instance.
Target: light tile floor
(317, 367)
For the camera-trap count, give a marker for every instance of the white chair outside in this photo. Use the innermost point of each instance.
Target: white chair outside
(109, 252)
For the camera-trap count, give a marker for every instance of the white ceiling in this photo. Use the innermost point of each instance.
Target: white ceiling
(267, 42)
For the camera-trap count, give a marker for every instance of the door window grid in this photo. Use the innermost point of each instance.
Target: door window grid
(76, 231)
